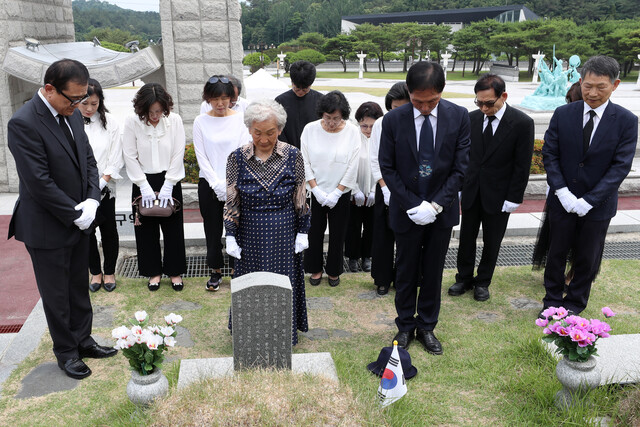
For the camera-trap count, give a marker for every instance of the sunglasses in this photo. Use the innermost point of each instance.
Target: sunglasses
(215, 79)
(487, 104)
(73, 102)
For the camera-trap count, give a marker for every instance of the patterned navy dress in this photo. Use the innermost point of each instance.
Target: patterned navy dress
(266, 208)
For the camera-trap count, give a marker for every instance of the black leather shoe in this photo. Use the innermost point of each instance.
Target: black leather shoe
(75, 368)
(353, 265)
(94, 287)
(109, 287)
(429, 341)
(366, 265)
(382, 290)
(97, 351)
(177, 286)
(315, 282)
(481, 293)
(334, 282)
(459, 288)
(404, 338)
(153, 286)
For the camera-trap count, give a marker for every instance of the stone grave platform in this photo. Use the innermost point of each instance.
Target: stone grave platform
(194, 370)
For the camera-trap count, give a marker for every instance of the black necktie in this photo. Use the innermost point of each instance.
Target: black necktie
(487, 135)
(425, 152)
(65, 129)
(586, 132)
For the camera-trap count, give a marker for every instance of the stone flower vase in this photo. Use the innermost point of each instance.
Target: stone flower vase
(577, 378)
(143, 389)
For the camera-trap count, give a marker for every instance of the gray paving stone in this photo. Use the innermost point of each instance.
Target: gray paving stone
(178, 306)
(488, 317)
(184, 337)
(339, 333)
(383, 319)
(44, 379)
(316, 334)
(319, 303)
(368, 295)
(103, 316)
(525, 304)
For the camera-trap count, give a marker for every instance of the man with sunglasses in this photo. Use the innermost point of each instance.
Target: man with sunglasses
(59, 195)
(498, 172)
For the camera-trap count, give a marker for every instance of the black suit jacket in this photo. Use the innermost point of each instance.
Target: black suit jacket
(52, 180)
(596, 175)
(398, 158)
(501, 171)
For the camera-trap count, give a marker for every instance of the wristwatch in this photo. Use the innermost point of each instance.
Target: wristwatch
(437, 207)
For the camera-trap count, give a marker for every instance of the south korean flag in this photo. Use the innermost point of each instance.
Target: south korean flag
(392, 385)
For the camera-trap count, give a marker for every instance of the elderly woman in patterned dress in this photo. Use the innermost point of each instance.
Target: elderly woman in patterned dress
(266, 215)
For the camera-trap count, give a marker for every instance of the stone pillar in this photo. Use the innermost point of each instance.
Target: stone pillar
(200, 38)
(46, 21)
(361, 57)
(538, 57)
(281, 57)
(445, 62)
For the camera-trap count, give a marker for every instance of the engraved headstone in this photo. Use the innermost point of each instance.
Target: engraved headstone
(261, 305)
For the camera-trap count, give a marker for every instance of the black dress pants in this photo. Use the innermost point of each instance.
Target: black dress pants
(211, 210)
(359, 232)
(61, 276)
(338, 220)
(383, 254)
(150, 260)
(493, 229)
(106, 221)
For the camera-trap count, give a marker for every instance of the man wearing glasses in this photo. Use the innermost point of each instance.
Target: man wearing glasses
(498, 172)
(59, 195)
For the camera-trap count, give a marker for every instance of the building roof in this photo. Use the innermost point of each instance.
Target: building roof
(465, 16)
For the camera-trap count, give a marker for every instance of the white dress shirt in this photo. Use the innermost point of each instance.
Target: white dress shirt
(149, 149)
(496, 121)
(106, 145)
(596, 119)
(374, 149)
(419, 119)
(364, 179)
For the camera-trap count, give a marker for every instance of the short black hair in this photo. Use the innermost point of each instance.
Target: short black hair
(302, 73)
(369, 109)
(490, 81)
(94, 88)
(601, 65)
(425, 75)
(235, 82)
(148, 95)
(64, 71)
(398, 91)
(334, 101)
(213, 90)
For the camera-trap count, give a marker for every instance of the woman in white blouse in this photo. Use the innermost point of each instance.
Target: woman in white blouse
(360, 229)
(153, 145)
(330, 147)
(103, 132)
(216, 134)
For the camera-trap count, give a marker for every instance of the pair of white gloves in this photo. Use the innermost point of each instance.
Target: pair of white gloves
(302, 243)
(88, 208)
(330, 200)
(362, 200)
(571, 203)
(164, 196)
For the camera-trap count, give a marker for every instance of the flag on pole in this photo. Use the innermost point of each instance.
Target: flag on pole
(392, 385)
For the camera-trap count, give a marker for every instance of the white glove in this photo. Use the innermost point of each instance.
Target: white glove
(302, 242)
(232, 247)
(423, 214)
(103, 183)
(88, 208)
(359, 198)
(165, 194)
(320, 195)
(582, 207)
(509, 207)
(371, 199)
(220, 188)
(332, 198)
(567, 199)
(148, 196)
(386, 193)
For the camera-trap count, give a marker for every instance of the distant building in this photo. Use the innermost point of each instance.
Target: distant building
(455, 18)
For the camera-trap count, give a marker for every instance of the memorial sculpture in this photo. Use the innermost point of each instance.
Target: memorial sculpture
(553, 84)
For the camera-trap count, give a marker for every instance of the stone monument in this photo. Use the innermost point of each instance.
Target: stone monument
(553, 87)
(445, 62)
(261, 310)
(361, 57)
(538, 57)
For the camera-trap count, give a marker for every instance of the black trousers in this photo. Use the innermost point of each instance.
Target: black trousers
(61, 275)
(586, 238)
(211, 210)
(382, 251)
(106, 221)
(420, 261)
(493, 229)
(359, 232)
(150, 260)
(338, 219)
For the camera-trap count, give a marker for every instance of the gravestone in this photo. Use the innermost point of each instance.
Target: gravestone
(261, 305)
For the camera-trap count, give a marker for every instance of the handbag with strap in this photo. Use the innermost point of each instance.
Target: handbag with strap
(155, 210)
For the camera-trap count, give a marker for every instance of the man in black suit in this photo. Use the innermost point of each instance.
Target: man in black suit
(494, 184)
(57, 203)
(423, 156)
(588, 151)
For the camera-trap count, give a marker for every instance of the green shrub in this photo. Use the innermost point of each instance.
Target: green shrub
(255, 61)
(114, 46)
(191, 169)
(536, 161)
(310, 55)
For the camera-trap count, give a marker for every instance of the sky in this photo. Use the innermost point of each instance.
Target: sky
(139, 5)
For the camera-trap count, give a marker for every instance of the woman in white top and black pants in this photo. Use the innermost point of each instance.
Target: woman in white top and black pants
(330, 148)
(216, 134)
(103, 132)
(153, 144)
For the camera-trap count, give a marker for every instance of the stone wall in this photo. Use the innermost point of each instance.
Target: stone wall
(49, 21)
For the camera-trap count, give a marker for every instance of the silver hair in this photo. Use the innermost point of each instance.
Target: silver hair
(602, 66)
(265, 109)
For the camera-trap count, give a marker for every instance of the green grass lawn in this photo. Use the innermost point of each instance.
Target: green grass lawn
(491, 373)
